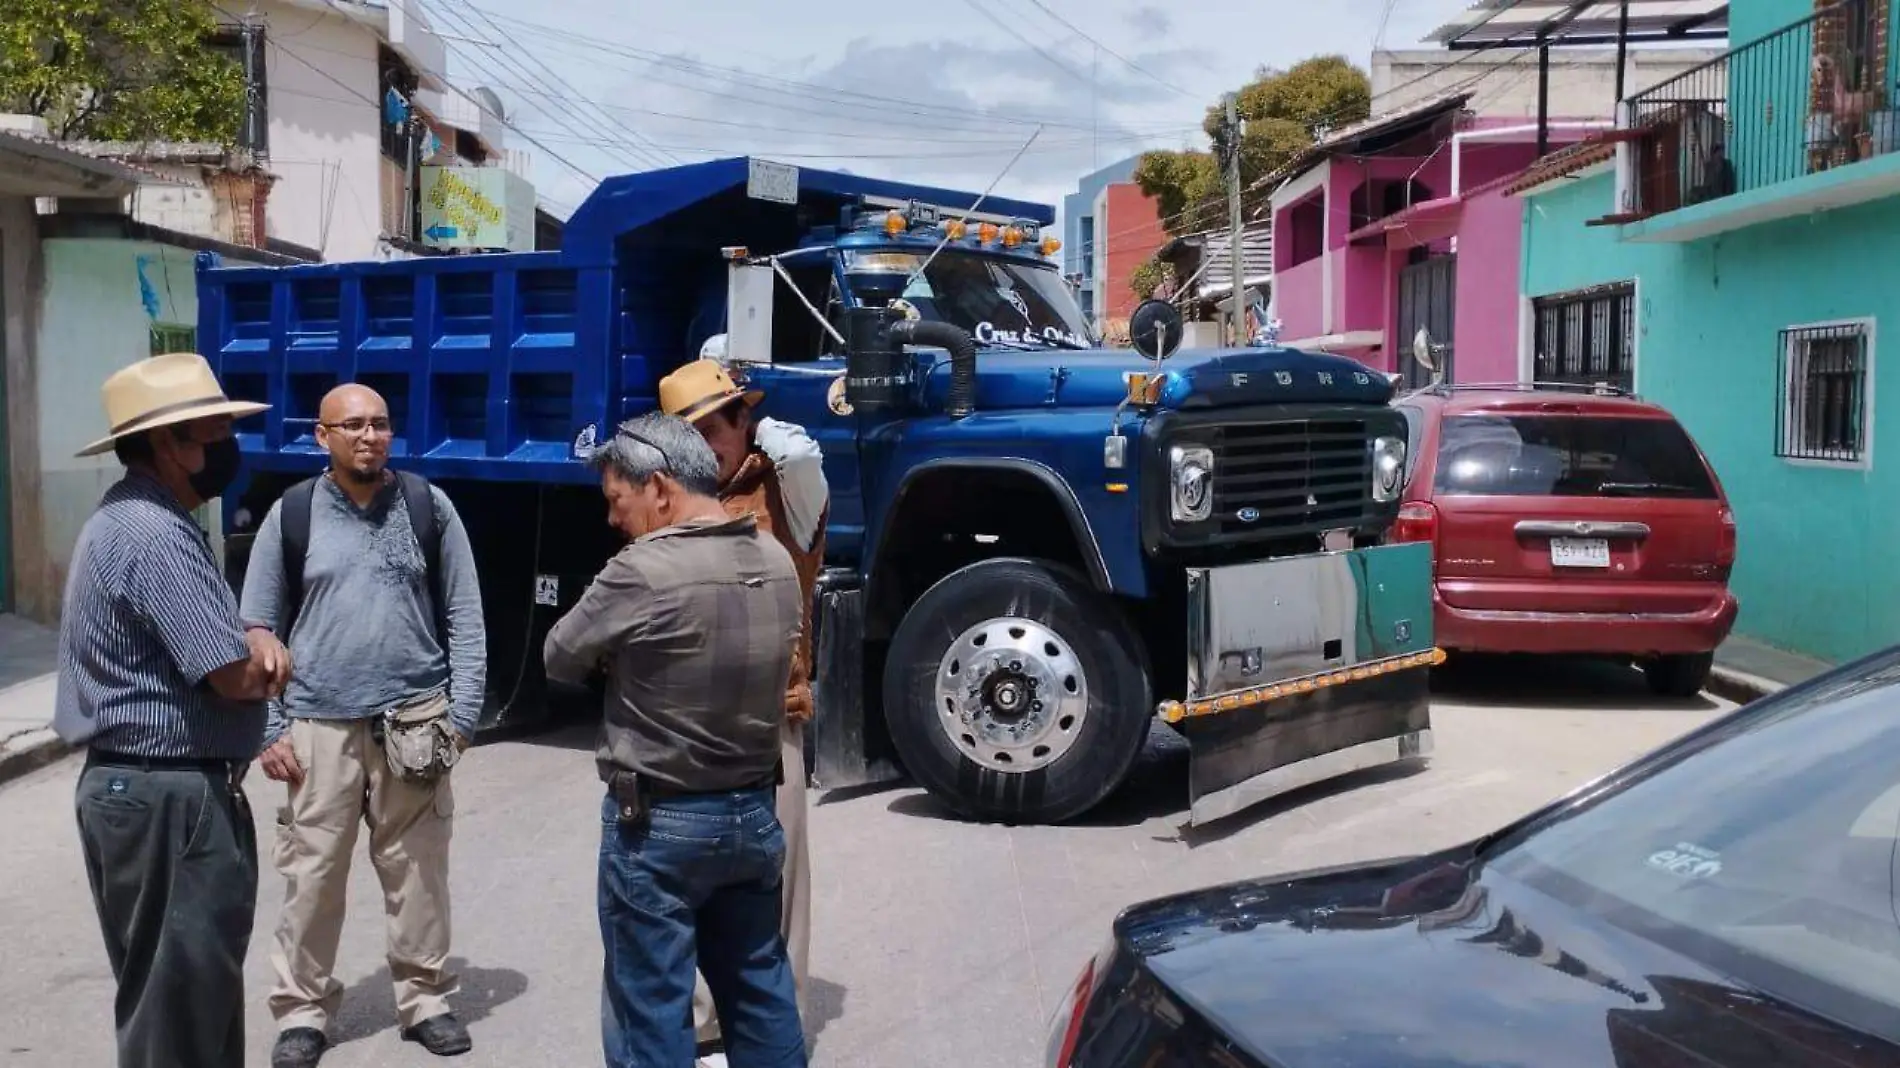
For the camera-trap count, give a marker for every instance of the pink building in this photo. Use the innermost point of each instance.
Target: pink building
(1401, 222)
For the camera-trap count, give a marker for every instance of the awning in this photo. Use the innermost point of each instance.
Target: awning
(1527, 23)
(1420, 224)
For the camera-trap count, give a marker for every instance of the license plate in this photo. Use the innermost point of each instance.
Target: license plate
(1579, 552)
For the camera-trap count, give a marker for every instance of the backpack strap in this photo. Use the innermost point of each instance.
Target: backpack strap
(427, 527)
(294, 519)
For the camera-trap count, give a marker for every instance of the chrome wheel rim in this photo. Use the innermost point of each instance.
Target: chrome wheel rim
(1011, 695)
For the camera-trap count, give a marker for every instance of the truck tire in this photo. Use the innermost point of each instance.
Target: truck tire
(1016, 693)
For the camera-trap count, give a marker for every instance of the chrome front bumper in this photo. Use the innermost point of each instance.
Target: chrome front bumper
(1304, 669)
(1278, 628)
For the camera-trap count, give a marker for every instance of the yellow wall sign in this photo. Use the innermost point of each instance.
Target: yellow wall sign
(477, 208)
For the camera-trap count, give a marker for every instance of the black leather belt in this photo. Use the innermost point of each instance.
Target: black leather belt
(662, 792)
(227, 769)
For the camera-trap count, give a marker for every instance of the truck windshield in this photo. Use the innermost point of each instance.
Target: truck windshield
(1000, 302)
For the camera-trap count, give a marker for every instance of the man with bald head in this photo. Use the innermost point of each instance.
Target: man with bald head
(367, 576)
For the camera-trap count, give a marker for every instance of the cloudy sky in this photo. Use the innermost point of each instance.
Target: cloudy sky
(948, 98)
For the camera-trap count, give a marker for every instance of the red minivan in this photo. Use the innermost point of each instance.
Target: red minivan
(1562, 522)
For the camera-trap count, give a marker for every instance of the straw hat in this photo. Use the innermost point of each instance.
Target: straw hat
(700, 388)
(174, 388)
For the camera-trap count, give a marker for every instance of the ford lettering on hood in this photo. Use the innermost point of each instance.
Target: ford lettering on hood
(1194, 380)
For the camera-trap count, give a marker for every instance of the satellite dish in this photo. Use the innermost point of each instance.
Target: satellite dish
(1422, 349)
(1426, 354)
(1155, 329)
(490, 101)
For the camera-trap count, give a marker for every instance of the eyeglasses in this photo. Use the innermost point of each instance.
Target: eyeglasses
(665, 456)
(357, 427)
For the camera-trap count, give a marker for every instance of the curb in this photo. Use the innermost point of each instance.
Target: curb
(1739, 686)
(30, 751)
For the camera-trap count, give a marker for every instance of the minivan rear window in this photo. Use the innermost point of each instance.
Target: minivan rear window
(1568, 456)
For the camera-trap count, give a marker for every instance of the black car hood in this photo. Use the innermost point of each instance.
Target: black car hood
(1439, 962)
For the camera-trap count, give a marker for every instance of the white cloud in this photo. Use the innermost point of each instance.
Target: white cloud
(944, 101)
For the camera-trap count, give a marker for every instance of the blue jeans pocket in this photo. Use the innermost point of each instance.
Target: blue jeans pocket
(677, 829)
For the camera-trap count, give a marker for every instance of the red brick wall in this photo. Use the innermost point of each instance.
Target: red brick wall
(1130, 232)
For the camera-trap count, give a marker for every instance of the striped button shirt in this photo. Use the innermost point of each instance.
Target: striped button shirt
(147, 618)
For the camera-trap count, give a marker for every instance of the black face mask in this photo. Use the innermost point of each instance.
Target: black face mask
(220, 470)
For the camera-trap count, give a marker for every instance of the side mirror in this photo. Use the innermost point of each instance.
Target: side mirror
(1155, 329)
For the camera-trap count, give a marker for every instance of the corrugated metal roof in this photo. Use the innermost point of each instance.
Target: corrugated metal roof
(1492, 23)
(50, 168)
(1586, 153)
(1256, 258)
(1346, 136)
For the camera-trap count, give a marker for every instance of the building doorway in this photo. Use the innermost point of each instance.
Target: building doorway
(1428, 297)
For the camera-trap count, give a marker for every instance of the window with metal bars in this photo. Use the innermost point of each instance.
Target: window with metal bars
(171, 337)
(1821, 412)
(1587, 337)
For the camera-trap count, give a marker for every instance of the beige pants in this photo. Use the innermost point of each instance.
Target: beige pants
(795, 900)
(347, 784)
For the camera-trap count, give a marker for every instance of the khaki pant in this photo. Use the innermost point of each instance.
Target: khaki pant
(795, 895)
(347, 784)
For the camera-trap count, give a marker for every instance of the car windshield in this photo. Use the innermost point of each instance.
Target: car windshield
(1765, 851)
(1000, 302)
(1568, 456)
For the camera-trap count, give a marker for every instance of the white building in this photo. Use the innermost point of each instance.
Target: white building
(1503, 81)
(336, 138)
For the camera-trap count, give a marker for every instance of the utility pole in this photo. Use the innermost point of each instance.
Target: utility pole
(1233, 131)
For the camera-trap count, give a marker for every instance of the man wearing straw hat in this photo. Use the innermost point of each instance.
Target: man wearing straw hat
(774, 471)
(161, 683)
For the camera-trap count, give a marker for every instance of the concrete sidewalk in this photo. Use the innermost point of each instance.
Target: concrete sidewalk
(1746, 670)
(28, 658)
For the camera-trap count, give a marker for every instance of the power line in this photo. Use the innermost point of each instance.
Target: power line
(492, 25)
(377, 104)
(1129, 63)
(1031, 45)
(882, 135)
(572, 119)
(722, 150)
(827, 94)
(1385, 19)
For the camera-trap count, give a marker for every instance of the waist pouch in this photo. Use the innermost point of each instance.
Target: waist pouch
(419, 741)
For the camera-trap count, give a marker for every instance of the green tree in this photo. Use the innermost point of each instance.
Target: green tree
(1284, 110)
(1150, 276)
(120, 69)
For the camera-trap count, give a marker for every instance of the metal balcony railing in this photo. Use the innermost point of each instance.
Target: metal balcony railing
(1809, 97)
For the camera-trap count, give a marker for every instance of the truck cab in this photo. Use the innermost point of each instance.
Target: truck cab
(1036, 546)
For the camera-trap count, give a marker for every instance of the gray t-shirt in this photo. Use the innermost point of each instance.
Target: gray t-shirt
(364, 638)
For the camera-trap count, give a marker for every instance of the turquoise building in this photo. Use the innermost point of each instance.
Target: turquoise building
(1734, 250)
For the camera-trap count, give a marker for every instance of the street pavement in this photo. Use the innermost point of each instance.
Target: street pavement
(936, 942)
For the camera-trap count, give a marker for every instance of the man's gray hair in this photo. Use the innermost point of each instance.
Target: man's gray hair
(653, 444)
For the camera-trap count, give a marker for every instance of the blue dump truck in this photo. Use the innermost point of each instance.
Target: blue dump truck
(1037, 546)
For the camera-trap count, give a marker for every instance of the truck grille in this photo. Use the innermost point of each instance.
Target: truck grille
(1301, 476)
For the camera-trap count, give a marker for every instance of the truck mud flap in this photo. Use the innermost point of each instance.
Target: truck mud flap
(846, 744)
(1240, 758)
(1303, 669)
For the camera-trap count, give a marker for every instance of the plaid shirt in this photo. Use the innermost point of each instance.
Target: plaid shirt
(695, 625)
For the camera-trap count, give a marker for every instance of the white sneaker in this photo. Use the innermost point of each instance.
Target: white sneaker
(711, 1060)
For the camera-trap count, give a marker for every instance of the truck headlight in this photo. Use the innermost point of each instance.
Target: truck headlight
(1388, 469)
(1190, 483)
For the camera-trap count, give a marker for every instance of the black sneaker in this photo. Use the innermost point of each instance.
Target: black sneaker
(441, 1035)
(299, 1047)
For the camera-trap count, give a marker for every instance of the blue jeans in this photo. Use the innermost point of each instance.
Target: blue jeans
(696, 885)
